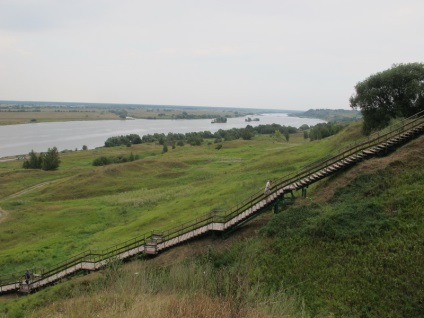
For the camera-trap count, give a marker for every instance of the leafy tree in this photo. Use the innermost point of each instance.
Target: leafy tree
(127, 140)
(324, 130)
(50, 160)
(220, 119)
(396, 92)
(34, 161)
(46, 161)
(277, 135)
(248, 133)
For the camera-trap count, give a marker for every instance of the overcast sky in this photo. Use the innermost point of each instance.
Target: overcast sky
(279, 54)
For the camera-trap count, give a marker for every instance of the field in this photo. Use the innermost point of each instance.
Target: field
(80, 207)
(29, 113)
(352, 248)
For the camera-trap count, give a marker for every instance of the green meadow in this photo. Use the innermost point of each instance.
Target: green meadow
(54, 215)
(353, 248)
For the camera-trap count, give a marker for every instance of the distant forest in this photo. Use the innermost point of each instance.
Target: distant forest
(331, 115)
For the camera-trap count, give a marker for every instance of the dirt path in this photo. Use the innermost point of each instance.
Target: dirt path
(4, 214)
(34, 187)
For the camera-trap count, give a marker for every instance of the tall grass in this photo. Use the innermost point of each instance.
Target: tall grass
(360, 254)
(193, 288)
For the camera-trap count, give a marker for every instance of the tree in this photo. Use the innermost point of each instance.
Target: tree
(247, 133)
(396, 92)
(50, 159)
(220, 119)
(46, 161)
(127, 140)
(164, 148)
(324, 130)
(277, 135)
(34, 161)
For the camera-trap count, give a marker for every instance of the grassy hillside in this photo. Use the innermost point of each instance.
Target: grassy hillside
(353, 248)
(79, 207)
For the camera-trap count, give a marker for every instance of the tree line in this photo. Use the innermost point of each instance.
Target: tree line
(50, 160)
(196, 138)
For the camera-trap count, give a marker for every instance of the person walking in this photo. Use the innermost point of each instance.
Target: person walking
(27, 276)
(268, 186)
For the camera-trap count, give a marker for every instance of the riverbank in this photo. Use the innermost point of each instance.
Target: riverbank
(74, 135)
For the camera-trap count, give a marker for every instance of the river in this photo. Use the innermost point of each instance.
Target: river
(21, 139)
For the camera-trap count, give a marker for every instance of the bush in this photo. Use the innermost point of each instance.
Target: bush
(103, 161)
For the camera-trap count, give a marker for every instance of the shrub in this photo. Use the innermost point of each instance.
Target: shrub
(103, 161)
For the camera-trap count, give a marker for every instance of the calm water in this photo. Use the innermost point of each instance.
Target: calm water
(21, 139)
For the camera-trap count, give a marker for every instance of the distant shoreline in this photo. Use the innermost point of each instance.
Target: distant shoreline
(24, 112)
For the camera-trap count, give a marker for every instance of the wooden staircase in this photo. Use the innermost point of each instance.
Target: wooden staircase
(153, 243)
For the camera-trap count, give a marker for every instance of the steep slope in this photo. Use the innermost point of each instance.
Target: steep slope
(355, 247)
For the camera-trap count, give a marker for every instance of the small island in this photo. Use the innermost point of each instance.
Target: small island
(248, 119)
(220, 120)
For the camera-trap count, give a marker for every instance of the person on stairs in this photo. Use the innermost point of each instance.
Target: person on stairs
(27, 276)
(268, 186)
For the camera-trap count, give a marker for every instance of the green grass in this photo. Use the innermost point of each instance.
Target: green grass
(80, 207)
(361, 253)
(193, 288)
(358, 253)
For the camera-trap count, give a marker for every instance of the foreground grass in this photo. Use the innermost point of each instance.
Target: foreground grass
(195, 287)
